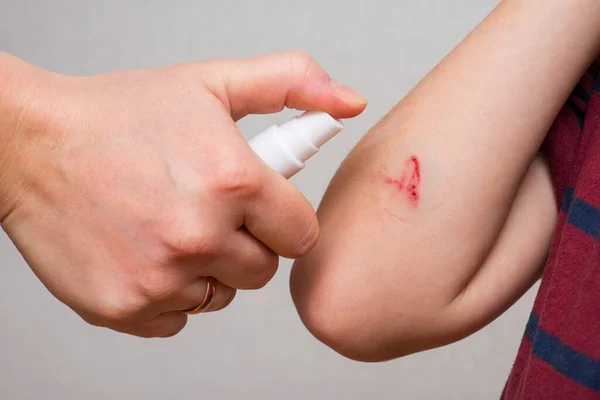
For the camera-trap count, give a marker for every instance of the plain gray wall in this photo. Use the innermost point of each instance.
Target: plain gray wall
(257, 348)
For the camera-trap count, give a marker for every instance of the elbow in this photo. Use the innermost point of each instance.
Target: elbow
(345, 332)
(349, 314)
(329, 317)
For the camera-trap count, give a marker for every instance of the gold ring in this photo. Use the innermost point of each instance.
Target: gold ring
(209, 297)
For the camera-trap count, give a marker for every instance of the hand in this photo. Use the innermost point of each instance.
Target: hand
(125, 191)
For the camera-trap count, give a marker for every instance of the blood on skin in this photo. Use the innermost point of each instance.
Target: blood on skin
(409, 182)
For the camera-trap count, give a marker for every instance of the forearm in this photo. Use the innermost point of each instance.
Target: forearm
(398, 240)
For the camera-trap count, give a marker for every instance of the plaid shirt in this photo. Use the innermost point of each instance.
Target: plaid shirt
(559, 356)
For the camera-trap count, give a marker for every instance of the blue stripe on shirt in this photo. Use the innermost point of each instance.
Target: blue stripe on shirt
(581, 93)
(567, 199)
(597, 84)
(581, 214)
(569, 362)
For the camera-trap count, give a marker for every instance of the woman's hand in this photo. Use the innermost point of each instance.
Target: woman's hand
(125, 191)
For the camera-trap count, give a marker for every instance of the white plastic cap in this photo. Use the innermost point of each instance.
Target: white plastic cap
(285, 148)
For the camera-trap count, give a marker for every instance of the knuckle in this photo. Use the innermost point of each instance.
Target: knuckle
(93, 319)
(259, 276)
(172, 329)
(299, 59)
(120, 310)
(172, 332)
(157, 285)
(308, 237)
(189, 242)
(260, 280)
(181, 232)
(238, 178)
(116, 315)
(228, 302)
(301, 64)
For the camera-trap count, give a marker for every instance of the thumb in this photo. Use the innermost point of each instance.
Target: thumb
(270, 82)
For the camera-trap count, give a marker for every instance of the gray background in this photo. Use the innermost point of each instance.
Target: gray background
(256, 349)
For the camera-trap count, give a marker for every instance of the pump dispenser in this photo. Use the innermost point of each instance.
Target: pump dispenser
(285, 148)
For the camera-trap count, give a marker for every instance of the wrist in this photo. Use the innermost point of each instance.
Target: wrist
(22, 93)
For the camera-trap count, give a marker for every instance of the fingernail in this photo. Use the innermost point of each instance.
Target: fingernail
(346, 93)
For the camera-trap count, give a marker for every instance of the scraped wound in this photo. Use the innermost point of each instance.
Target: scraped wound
(409, 181)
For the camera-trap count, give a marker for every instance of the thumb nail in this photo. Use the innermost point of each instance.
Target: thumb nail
(350, 95)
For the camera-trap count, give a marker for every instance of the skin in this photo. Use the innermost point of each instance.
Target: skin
(392, 276)
(124, 191)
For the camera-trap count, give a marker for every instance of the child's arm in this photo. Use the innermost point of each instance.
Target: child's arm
(440, 218)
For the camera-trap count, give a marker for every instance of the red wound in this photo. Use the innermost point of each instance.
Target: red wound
(409, 182)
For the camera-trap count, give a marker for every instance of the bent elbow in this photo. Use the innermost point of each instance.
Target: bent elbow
(346, 314)
(331, 319)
